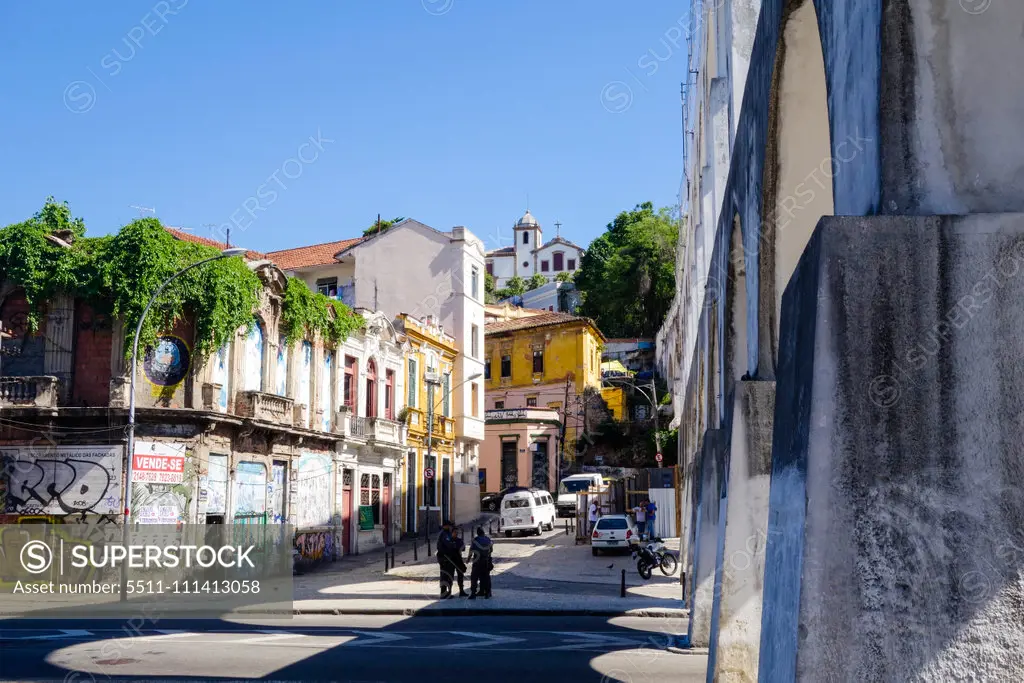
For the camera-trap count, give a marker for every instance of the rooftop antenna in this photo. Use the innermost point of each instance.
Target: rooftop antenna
(143, 210)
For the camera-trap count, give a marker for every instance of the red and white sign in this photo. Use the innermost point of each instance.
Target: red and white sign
(158, 463)
(658, 457)
(428, 473)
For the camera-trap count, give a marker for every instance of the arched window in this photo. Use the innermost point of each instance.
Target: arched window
(221, 376)
(253, 363)
(305, 367)
(282, 367)
(558, 257)
(371, 389)
(326, 404)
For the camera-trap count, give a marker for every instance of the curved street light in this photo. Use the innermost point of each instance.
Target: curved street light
(226, 253)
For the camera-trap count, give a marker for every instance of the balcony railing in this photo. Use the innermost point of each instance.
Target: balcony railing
(39, 391)
(357, 427)
(387, 431)
(268, 407)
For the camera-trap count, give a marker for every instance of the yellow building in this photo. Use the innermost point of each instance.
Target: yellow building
(546, 360)
(429, 363)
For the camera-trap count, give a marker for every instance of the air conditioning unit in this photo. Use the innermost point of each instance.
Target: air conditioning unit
(432, 377)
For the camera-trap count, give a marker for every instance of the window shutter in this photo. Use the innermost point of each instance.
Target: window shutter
(447, 396)
(412, 383)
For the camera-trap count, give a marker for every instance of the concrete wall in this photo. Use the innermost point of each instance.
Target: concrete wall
(466, 503)
(897, 515)
(741, 572)
(708, 532)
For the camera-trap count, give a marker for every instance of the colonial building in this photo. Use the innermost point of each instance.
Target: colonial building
(262, 432)
(530, 254)
(430, 462)
(412, 268)
(540, 360)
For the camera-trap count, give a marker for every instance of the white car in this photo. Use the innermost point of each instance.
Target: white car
(527, 511)
(613, 532)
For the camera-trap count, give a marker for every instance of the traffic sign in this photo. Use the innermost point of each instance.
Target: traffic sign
(428, 472)
(658, 457)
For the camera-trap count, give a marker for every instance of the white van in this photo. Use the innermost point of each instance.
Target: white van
(527, 511)
(573, 485)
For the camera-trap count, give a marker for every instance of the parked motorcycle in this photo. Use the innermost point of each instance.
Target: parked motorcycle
(653, 555)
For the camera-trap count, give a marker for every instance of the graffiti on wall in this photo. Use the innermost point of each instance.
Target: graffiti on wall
(275, 491)
(313, 490)
(156, 503)
(315, 546)
(217, 485)
(60, 480)
(250, 489)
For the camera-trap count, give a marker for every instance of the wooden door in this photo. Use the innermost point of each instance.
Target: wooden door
(385, 504)
(346, 511)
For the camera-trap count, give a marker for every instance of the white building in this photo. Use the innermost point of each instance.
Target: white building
(561, 297)
(413, 268)
(530, 254)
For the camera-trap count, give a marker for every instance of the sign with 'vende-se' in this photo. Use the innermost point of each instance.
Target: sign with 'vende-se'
(158, 463)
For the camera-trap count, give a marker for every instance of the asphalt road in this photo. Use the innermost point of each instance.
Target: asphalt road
(355, 648)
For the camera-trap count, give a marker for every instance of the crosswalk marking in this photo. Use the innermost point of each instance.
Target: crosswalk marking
(463, 640)
(482, 639)
(269, 636)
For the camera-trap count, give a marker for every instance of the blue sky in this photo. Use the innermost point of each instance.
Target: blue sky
(448, 111)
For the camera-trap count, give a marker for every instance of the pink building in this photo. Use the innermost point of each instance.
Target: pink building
(521, 448)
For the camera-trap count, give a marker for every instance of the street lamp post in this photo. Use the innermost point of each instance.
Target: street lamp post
(431, 407)
(226, 253)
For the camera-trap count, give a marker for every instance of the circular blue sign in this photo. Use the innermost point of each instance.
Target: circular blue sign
(167, 362)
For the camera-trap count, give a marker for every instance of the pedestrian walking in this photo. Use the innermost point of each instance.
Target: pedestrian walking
(482, 559)
(640, 512)
(594, 514)
(652, 511)
(460, 564)
(446, 548)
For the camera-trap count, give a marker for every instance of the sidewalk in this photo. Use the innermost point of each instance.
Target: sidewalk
(545, 575)
(412, 586)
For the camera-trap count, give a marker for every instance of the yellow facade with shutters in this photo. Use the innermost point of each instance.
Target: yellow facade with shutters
(547, 360)
(431, 355)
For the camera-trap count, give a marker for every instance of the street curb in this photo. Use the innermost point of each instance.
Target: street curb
(499, 611)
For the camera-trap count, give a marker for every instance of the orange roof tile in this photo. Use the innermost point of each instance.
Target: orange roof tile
(189, 237)
(543, 320)
(313, 255)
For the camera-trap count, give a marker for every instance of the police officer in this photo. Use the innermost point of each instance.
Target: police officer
(480, 554)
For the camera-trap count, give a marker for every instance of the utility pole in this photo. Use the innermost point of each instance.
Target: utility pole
(430, 451)
(565, 419)
(378, 224)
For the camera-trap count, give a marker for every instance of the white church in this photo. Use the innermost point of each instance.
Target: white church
(531, 254)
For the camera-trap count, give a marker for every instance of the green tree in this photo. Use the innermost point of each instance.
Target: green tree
(566, 276)
(516, 286)
(627, 275)
(384, 225)
(489, 289)
(536, 280)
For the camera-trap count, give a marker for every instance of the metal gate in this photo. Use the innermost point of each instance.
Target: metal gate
(509, 469)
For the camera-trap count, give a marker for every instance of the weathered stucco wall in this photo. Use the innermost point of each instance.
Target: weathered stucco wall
(708, 527)
(897, 504)
(741, 572)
